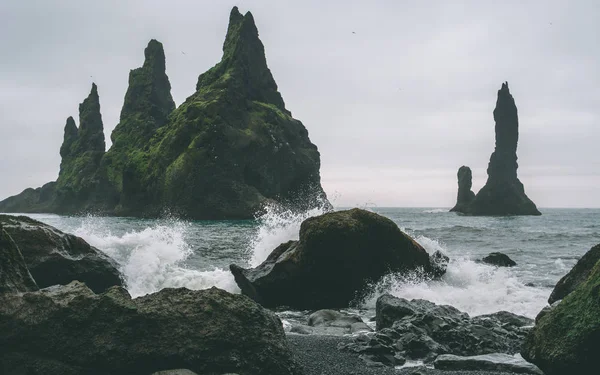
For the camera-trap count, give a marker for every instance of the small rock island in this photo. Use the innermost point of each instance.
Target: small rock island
(503, 193)
(228, 150)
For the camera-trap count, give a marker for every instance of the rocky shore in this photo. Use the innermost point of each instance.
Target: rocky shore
(61, 326)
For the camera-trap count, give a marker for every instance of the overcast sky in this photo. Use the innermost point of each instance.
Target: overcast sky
(397, 95)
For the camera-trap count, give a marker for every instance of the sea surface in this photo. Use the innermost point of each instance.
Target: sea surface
(155, 254)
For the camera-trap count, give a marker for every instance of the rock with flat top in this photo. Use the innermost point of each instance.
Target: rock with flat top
(488, 362)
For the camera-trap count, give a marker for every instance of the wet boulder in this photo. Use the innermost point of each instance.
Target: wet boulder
(54, 257)
(566, 337)
(337, 255)
(71, 329)
(14, 275)
(499, 259)
(577, 275)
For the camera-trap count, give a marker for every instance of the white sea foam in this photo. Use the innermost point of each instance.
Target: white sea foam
(277, 226)
(154, 258)
(470, 286)
(436, 211)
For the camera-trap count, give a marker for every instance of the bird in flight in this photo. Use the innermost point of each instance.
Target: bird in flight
(183, 52)
(354, 32)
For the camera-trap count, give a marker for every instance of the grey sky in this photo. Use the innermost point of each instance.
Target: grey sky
(395, 108)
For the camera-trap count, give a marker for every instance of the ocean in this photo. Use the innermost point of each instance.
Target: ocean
(156, 254)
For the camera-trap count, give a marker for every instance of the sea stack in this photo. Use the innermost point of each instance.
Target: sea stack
(503, 193)
(465, 194)
(225, 153)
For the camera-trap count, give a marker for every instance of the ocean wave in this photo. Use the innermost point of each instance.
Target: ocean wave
(436, 211)
(278, 225)
(470, 286)
(154, 257)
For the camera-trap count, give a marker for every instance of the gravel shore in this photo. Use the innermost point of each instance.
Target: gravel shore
(319, 356)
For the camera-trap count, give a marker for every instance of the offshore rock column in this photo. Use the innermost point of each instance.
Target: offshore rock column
(503, 193)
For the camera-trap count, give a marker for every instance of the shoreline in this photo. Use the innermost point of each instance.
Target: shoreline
(319, 355)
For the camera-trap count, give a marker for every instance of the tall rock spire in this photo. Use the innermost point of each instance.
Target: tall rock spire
(91, 129)
(148, 101)
(243, 68)
(503, 193)
(70, 137)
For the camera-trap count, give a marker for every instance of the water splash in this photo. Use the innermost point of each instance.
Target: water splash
(154, 257)
(470, 286)
(278, 225)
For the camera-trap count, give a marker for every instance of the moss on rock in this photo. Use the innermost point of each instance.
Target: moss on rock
(566, 338)
(228, 150)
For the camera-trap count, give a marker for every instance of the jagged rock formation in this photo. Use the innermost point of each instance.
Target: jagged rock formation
(503, 193)
(465, 194)
(79, 183)
(421, 330)
(228, 150)
(147, 106)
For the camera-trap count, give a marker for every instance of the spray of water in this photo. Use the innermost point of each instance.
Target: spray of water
(154, 257)
(276, 226)
(470, 286)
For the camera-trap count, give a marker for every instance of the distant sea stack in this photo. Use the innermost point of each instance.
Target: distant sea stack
(228, 150)
(503, 193)
(465, 194)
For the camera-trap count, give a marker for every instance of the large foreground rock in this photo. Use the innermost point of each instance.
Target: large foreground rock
(422, 330)
(337, 255)
(71, 329)
(577, 275)
(488, 362)
(54, 257)
(566, 338)
(14, 275)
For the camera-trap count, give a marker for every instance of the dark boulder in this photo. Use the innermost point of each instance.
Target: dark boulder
(499, 362)
(499, 259)
(14, 275)
(54, 257)
(503, 193)
(465, 194)
(422, 330)
(337, 256)
(208, 332)
(577, 275)
(566, 337)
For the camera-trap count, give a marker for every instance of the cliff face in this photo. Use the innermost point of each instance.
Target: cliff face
(228, 150)
(232, 146)
(503, 193)
(465, 194)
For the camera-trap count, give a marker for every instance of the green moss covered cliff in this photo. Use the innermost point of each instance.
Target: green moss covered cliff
(228, 150)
